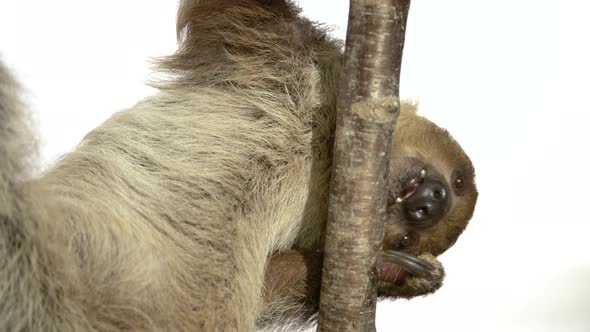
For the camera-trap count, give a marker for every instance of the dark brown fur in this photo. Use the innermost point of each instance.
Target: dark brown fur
(165, 216)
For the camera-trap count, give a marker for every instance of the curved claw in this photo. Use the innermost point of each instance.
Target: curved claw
(413, 264)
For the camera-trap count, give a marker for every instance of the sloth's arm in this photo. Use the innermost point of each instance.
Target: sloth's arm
(293, 278)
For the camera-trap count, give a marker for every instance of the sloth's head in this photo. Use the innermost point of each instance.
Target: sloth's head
(432, 192)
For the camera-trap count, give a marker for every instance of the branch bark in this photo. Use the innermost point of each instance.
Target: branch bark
(367, 112)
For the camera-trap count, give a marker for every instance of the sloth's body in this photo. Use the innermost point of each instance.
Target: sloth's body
(165, 216)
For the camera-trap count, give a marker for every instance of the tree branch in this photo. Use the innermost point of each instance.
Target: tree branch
(367, 112)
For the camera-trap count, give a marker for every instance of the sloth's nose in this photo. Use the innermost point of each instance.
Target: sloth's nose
(428, 204)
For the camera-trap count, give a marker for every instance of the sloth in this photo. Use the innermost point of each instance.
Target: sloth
(203, 207)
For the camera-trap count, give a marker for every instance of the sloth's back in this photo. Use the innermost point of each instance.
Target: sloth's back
(183, 190)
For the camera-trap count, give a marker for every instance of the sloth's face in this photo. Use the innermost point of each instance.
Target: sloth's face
(427, 210)
(432, 192)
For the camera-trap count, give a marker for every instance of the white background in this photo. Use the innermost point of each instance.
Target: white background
(510, 80)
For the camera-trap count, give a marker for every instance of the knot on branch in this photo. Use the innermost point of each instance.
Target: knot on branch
(377, 110)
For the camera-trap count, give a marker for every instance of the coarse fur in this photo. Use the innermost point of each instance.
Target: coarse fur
(164, 217)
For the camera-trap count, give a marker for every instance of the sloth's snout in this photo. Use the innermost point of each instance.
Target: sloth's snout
(427, 204)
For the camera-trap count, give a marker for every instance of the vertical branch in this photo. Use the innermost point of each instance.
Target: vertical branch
(367, 112)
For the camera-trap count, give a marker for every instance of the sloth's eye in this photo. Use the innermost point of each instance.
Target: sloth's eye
(458, 182)
(408, 240)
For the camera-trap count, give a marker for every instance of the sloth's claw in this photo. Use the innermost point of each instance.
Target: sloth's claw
(416, 266)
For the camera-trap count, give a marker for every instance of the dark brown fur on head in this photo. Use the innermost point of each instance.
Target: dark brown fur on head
(420, 144)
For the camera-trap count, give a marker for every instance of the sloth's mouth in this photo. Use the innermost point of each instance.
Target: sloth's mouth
(411, 186)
